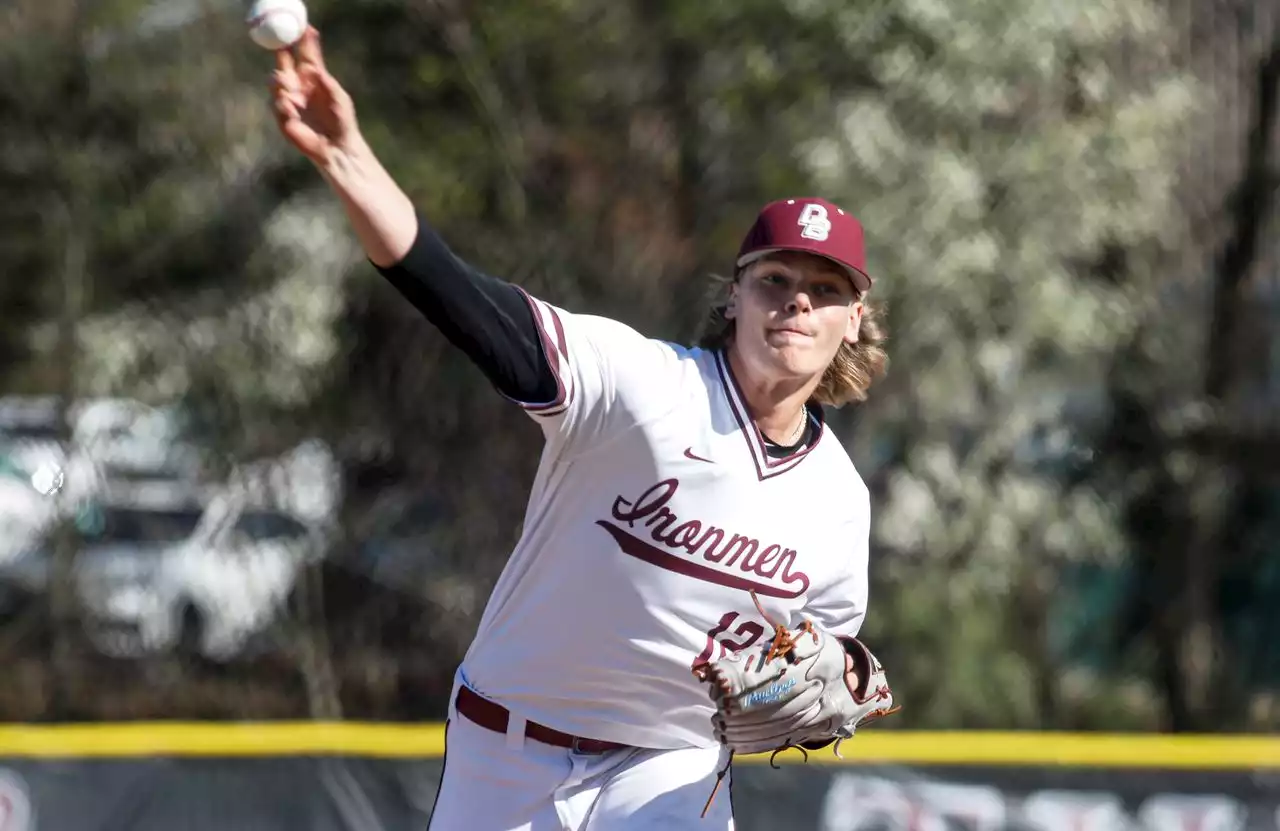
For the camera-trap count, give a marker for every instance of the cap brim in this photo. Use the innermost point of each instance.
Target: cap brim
(860, 279)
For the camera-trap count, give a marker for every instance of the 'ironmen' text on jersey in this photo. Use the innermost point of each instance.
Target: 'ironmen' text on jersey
(656, 510)
(684, 543)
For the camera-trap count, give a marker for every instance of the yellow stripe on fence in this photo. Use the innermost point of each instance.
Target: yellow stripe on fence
(899, 747)
(265, 739)
(1034, 749)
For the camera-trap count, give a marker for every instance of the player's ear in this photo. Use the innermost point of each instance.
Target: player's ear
(855, 323)
(731, 305)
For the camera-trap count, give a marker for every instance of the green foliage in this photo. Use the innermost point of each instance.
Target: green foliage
(1014, 163)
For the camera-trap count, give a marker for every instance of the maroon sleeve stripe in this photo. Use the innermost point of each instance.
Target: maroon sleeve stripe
(560, 339)
(555, 353)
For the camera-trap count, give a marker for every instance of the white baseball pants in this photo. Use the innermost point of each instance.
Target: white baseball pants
(495, 782)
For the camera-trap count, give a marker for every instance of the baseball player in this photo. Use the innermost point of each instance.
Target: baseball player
(692, 572)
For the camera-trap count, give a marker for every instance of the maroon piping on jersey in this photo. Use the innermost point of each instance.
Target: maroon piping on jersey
(755, 441)
(563, 399)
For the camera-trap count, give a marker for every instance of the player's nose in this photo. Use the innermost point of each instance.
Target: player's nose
(799, 302)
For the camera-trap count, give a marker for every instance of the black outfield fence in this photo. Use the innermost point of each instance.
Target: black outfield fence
(354, 777)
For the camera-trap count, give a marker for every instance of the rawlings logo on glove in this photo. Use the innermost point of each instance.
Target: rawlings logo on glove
(805, 689)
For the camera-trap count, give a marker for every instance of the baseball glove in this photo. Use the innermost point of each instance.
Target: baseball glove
(805, 689)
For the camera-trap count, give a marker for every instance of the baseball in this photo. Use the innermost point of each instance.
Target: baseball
(277, 24)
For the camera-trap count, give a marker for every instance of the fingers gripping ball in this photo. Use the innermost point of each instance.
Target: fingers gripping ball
(277, 24)
(806, 688)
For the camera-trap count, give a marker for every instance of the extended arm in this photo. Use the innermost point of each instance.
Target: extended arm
(487, 318)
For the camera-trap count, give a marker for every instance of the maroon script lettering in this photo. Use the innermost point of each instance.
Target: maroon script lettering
(740, 561)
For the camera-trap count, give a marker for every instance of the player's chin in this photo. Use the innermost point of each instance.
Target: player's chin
(798, 360)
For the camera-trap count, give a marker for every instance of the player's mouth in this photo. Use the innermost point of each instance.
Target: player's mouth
(790, 333)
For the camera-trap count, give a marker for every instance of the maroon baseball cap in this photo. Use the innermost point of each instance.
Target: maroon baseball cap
(812, 225)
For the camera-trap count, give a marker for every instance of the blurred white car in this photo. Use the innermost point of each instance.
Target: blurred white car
(206, 579)
(132, 444)
(34, 493)
(29, 418)
(31, 442)
(24, 510)
(121, 437)
(130, 438)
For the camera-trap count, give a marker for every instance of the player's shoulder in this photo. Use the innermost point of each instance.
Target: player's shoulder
(838, 469)
(611, 334)
(648, 360)
(607, 332)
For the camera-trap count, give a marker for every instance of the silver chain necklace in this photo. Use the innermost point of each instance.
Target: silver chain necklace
(798, 432)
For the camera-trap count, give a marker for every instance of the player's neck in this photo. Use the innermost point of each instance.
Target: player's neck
(776, 407)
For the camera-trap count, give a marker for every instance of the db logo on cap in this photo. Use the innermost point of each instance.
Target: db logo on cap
(813, 219)
(812, 225)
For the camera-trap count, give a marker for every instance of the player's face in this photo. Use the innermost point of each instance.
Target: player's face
(791, 313)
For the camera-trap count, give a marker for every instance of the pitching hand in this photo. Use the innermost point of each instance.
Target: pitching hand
(314, 112)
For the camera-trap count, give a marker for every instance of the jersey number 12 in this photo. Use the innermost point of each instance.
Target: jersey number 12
(750, 632)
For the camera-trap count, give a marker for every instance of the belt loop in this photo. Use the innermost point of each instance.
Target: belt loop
(515, 731)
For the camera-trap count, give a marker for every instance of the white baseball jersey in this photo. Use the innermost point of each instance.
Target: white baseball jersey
(654, 512)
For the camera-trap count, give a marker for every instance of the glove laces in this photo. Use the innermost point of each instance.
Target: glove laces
(783, 643)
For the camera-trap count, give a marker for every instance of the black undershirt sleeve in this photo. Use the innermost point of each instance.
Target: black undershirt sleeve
(485, 317)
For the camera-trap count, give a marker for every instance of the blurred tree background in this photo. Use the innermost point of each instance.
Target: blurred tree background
(1071, 208)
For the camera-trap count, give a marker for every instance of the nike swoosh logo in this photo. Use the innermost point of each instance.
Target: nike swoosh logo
(689, 454)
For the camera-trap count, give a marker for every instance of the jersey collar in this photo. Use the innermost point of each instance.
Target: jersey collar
(766, 466)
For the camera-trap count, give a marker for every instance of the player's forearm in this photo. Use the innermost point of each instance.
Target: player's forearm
(381, 214)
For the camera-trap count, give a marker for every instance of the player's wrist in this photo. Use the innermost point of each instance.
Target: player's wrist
(350, 163)
(381, 213)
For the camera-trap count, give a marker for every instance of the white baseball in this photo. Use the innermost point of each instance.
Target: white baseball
(277, 24)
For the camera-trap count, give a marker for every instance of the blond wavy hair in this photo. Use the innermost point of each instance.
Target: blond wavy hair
(851, 372)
